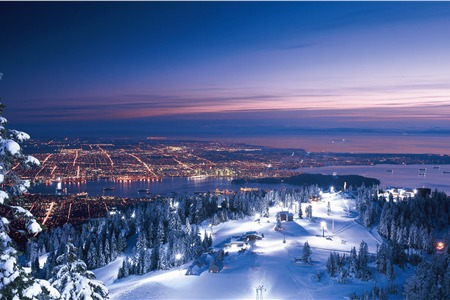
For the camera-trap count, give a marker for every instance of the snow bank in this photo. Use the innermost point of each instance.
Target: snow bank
(20, 135)
(33, 227)
(3, 195)
(31, 160)
(36, 289)
(11, 147)
(22, 211)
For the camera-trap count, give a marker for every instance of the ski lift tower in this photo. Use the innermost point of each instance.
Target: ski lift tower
(259, 292)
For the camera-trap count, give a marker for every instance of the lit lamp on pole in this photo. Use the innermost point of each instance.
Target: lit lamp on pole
(323, 225)
(178, 256)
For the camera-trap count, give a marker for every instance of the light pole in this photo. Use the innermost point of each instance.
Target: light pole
(323, 225)
(178, 256)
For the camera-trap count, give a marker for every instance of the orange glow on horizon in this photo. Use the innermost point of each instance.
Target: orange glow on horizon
(340, 106)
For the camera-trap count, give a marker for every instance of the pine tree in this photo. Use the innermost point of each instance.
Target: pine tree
(73, 280)
(390, 270)
(363, 259)
(331, 265)
(353, 261)
(382, 257)
(188, 229)
(15, 282)
(154, 258)
(306, 255)
(124, 271)
(300, 212)
(309, 212)
(92, 256)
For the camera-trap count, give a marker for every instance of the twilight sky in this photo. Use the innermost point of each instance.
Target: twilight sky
(226, 69)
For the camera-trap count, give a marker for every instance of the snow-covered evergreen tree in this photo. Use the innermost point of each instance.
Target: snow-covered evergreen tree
(431, 280)
(309, 212)
(353, 261)
(73, 280)
(306, 255)
(363, 259)
(15, 282)
(383, 256)
(300, 212)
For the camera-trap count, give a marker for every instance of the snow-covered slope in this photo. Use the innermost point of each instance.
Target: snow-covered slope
(269, 262)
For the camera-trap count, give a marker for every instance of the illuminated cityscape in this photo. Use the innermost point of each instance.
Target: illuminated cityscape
(74, 160)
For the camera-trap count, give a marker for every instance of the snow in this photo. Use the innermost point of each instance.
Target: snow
(3, 120)
(108, 274)
(33, 227)
(53, 293)
(269, 262)
(8, 266)
(20, 135)
(3, 195)
(26, 183)
(36, 289)
(42, 260)
(22, 211)
(31, 160)
(11, 147)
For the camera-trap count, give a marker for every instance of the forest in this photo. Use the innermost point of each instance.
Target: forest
(323, 181)
(165, 233)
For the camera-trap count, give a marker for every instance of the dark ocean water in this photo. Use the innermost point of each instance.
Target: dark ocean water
(435, 177)
(167, 186)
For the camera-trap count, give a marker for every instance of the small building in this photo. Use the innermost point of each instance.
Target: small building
(285, 216)
(196, 268)
(207, 261)
(314, 198)
(252, 236)
(235, 243)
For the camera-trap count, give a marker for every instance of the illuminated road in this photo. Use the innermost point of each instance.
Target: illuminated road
(53, 170)
(107, 155)
(201, 158)
(143, 163)
(183, 164)
(68, 214)
(75, 159)
(49, 212)
(43, 166)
